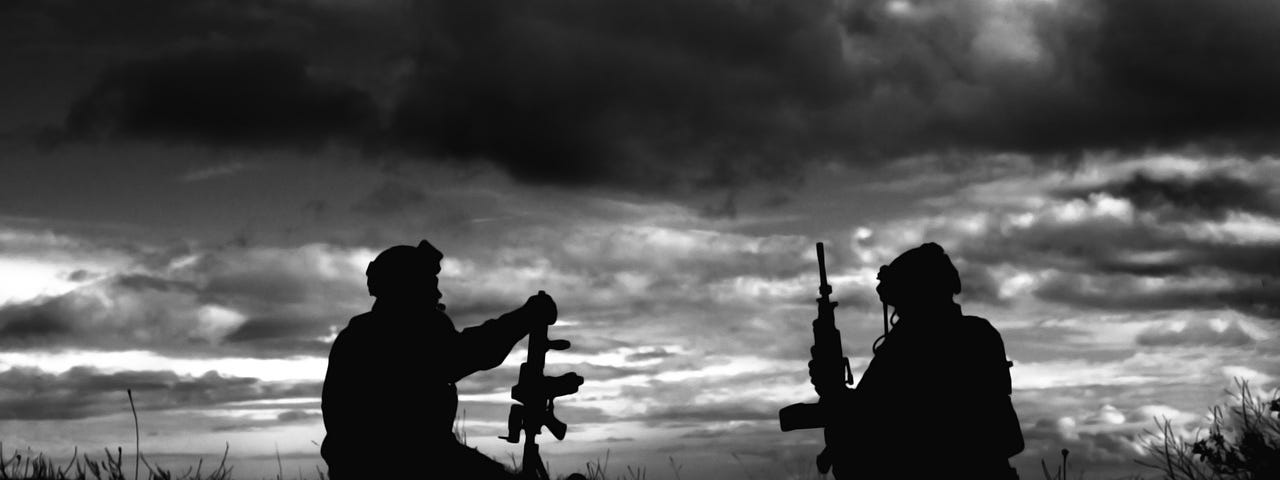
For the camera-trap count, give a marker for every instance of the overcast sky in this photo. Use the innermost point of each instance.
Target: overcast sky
(190, 192)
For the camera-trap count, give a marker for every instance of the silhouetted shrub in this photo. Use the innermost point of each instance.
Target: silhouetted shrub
(1243, 443)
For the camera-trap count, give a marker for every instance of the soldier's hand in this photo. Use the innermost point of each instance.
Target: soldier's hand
(540, 308)
(815, 369)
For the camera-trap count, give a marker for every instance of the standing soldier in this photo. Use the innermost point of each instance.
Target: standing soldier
(934, 402)
(389, 397)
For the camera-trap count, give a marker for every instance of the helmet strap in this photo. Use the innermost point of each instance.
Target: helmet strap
(889, 321)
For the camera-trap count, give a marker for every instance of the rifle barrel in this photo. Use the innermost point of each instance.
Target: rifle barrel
(822, 265)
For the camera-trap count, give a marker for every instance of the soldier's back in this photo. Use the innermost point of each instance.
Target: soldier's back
(383, 398)
(926, 400)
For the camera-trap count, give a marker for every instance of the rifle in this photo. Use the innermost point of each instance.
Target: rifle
(829, 378)
(536, 393)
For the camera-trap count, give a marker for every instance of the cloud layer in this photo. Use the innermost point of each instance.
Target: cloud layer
(232, 97)
(256, 301)
(692, 330)
(81, 392)
(651, 95)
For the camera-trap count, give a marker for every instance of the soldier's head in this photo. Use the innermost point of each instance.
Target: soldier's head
(404, 273)
(921, 276)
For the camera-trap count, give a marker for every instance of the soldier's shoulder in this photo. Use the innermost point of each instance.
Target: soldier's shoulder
(362, 319)
(979, 328)
(974, 321)
(357, 325)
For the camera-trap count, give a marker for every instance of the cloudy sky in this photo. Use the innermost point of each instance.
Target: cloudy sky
(190, 191)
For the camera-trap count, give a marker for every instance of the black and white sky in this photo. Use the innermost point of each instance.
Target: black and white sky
(190, 191)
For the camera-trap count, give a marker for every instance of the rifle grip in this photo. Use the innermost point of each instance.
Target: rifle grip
(824, 460)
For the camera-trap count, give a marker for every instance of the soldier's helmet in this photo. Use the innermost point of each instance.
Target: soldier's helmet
(924, 272)
(403, 269)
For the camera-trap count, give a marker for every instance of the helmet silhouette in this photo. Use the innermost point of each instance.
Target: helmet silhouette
(922, 272)
(403, 269)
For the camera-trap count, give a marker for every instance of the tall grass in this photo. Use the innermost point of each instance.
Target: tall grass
(84, 467)
(1243, 443)
(599, 470)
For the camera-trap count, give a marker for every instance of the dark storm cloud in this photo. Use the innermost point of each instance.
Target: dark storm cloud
(1135, 75)
(152, 22)
(656, 94)
(272, 336)
(1142, 237)
(1104, 265)
(141, 282)
(624, 92)
(35, 323)
(1124, 292)
(272, 328)
(1211, 196)
(1140, 267)
(573, 92)
(390, 198)
(1191, 69)
(222, 97)
(1106, 247)
(81, 392)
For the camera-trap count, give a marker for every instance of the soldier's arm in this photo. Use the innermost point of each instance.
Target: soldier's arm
(485, 346)
(1007, 419)
(336, 406)
(995, 403)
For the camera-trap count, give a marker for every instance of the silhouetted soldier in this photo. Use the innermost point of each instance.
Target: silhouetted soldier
(389, 398)
(934, 402)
